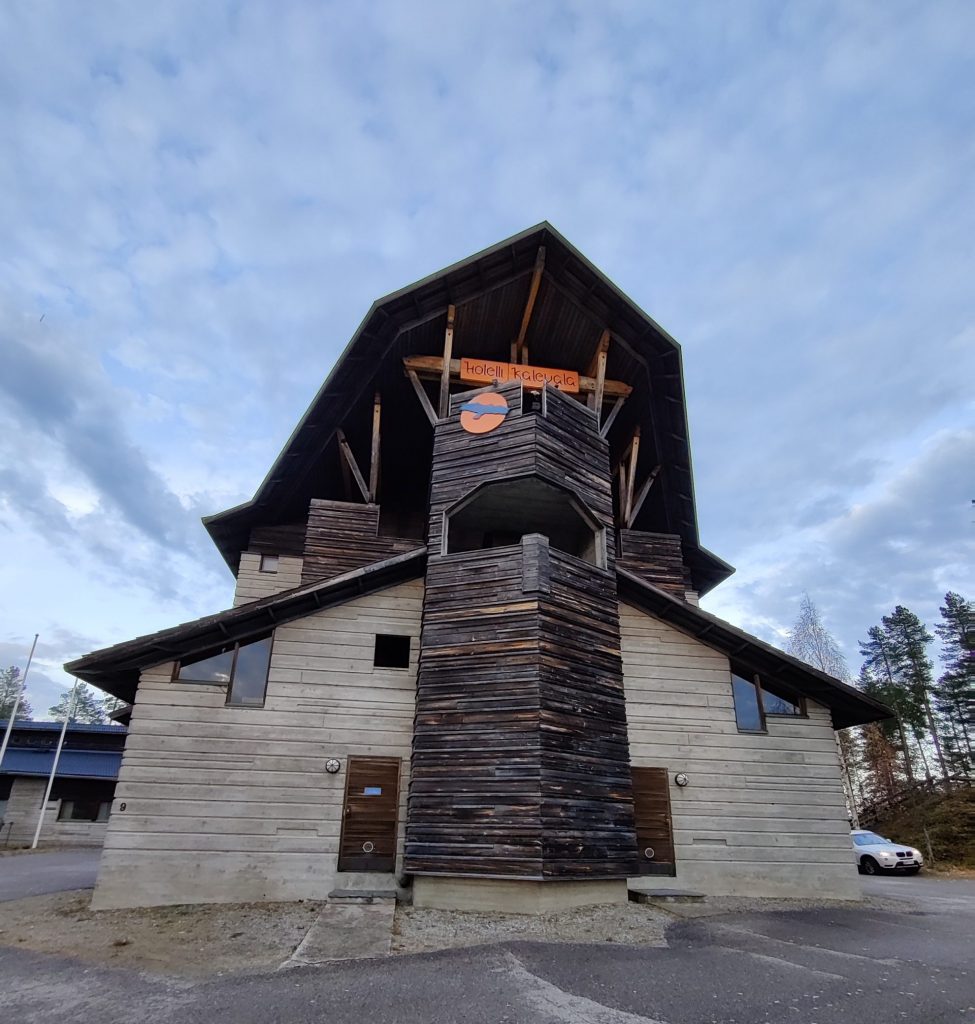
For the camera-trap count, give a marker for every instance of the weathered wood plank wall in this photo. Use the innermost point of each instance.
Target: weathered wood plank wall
(226, 804)
(764, 814)
(343, 535)
(656, 557)
(520, 762)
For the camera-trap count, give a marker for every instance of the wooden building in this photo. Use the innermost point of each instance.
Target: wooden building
(465, 652)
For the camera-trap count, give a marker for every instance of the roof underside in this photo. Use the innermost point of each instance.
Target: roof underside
(575, 303)
(848, 705)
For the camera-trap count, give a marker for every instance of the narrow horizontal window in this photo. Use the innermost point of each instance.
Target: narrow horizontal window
(243, 668)
(392, 651)
(781, 703)
(269, 563)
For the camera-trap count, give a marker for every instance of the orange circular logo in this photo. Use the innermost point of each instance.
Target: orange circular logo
(483, 413)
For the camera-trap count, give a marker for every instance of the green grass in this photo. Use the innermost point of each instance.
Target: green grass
(950, 823)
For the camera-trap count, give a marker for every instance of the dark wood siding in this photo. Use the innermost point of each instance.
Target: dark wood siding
(369, 817)
(341, 536)
(287, 539)
(657, 558)
(654, 827)
(520, 765)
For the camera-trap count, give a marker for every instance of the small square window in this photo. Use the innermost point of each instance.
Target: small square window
(269, 563)
(391, 651)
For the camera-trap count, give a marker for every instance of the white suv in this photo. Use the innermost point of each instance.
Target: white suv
(874, 854)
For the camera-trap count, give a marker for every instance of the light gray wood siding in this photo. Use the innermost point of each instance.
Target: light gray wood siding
(228, 804)
(252, 584)
(764, 814)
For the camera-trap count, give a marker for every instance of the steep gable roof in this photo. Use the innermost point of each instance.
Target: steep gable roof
(575, 303)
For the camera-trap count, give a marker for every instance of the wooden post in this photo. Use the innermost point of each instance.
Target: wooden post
(519, 353)
(422, 395)
(631, 473)
(448, 347)
(346, 450)
(641, 497)
(377, 408)
(597, 369)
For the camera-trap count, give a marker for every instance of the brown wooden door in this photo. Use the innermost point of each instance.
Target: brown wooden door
(368, 840)
(654, 831)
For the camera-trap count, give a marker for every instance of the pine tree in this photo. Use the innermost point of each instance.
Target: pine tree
(87, 707)
(110, 705)
(813, 643)
(881, 741)
(909, 640)
(879, 677)
(10, 686)
(954, 692)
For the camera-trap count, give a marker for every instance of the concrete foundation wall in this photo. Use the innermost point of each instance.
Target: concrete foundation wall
(513, 896)
(20, 819)
(224, 804)
(763, 814)
(252, 584)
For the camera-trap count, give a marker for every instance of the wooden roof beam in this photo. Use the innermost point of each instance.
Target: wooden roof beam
(641, 497)
(597, 370)
(374, 452)
(519, 351)
(349, 457)
(422, 395)
(448, 348)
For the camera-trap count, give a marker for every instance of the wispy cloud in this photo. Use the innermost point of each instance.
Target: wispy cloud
(202, 202)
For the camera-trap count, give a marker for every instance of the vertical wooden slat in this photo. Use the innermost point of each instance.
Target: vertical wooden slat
(377, 408)
(597, 370)
(448, 348)
(631, 473)
(519, 352)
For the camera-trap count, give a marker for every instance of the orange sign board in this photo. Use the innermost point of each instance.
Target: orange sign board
(487, 371)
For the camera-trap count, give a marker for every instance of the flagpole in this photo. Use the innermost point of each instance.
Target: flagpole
(54, 766)
(22, 689)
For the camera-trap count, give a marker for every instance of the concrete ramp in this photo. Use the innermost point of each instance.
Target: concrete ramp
(347, 931)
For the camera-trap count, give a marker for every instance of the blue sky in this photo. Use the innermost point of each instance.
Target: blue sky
(198, 203)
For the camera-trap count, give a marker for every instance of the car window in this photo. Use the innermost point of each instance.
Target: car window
(868, 839)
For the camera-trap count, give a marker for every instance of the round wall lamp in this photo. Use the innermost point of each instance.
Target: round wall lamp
(332, 765)
(681, 779)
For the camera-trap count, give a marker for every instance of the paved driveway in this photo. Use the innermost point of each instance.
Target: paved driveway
(32, 874)
(830, 966)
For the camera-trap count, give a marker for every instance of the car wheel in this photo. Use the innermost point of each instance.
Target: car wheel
(911, 871)
(870, 866)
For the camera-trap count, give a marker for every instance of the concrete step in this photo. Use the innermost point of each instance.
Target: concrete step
(646, 895)
(362, 895)
(352, 932)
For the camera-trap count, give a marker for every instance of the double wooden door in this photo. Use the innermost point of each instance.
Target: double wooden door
(654, 829)
(368, 841)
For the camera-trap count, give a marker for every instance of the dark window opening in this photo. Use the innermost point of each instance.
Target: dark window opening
(500, 514)
(242, 667)
(391, 651)
(83, 800)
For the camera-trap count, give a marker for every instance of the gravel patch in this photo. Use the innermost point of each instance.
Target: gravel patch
(632, 924)
(188, 941)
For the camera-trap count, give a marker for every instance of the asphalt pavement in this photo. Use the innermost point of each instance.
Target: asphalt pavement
(33, 874)
(825, 966)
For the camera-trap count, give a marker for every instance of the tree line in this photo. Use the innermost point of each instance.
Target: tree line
(929, 739)
(92, 707)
